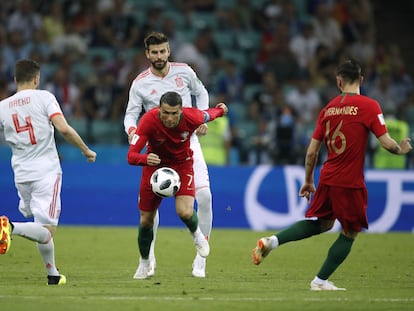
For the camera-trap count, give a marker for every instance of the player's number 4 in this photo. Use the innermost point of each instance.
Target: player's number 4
(26, 127)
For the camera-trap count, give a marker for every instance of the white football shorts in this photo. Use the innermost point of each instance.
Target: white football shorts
(40, 199)
(201, 178)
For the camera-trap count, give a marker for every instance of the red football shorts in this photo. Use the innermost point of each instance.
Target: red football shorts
(149, 201)
(348, 205)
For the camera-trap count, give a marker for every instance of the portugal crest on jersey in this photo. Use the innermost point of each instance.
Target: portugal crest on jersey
(184, 136)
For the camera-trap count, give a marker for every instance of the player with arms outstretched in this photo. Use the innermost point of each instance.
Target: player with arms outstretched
(28, 119)
(166, 133)
(343, 126)
(145, 92)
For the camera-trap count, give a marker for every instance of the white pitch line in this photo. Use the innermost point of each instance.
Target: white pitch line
(190, 298)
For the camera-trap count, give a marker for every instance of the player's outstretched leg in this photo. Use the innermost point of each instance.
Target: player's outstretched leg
(263, 247)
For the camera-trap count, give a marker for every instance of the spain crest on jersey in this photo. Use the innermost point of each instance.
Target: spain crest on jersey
(179, 82)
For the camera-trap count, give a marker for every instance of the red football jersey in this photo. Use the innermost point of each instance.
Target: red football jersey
(344, 126)
(172, 145)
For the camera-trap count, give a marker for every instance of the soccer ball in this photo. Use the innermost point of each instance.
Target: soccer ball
(165, 182)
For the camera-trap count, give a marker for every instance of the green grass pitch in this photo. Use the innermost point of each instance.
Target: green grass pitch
(99, 263)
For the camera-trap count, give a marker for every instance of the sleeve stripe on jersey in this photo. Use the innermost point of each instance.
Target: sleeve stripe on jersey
(206, 117)
(54, 114)
(143, 74)
(178, 64)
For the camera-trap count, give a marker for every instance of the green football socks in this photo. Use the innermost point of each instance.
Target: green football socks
(298, 231)
(336, 255)
(145, 237)
(191, 223)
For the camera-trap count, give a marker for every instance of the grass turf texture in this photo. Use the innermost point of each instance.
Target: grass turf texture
(99, 263)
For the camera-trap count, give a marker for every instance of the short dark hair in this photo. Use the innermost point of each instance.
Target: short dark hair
(155, 38)
(25, 70)
(171, 98)
(350, 71)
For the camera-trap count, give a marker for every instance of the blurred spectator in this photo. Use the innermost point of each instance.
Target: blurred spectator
(357, 16)
(327, 29)
(243, 11)
(24, 20)
(53, 21)
(270, 41)
(119, 28)
(398, 129)
(99, 99)
(264, 97)
(6, 70)
(284, 150)
(231, 22)
(208, 6)
(4, 88)
(7, 8)
(305, 100)
(135, 65)
(402, 83)
(200, 54)
(254, 137)
(46, 68)
(4, 93)
(230, 83)
(291, 18)
(153, 20)
(383, 92)
(83, 18)
(40, 44)
(67, 93)
(304, 45)
(216, 145)
(16, 48)
(283, 62)
(363, 48)
(204, 5)
(69, 42)
(321, 67)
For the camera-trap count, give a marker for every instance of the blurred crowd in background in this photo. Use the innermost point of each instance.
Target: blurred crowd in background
(271, 61)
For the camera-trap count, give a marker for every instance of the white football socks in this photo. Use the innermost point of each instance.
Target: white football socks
(204, 211)
(47, 251)
(154, 228)
(32, 231)
(274, 241)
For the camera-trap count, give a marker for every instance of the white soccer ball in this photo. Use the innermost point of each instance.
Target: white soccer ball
(165, 182)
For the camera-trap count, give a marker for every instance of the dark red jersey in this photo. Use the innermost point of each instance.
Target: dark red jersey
(344, 126)
(172, 145)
